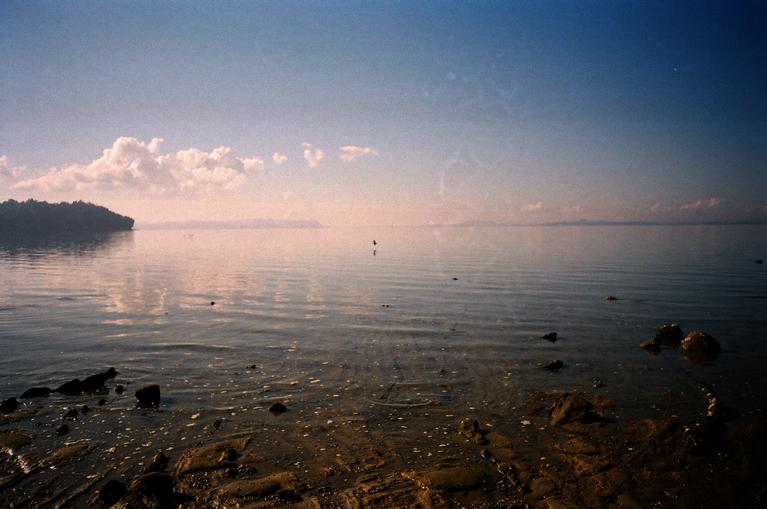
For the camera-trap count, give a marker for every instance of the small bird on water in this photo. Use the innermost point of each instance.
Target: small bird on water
(375, 243)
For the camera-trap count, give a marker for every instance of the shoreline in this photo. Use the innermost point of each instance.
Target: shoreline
(574, 453)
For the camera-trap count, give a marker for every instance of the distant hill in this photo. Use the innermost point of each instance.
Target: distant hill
(244, 224)
(33, 215)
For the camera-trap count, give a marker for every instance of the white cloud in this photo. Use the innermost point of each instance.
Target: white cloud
(312, 155)
(133, 164)
(703, 203)
(279, 159)
(351, 153)
(533, 207)
(4, 167)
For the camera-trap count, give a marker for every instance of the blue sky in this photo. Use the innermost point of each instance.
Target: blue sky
(506, 111)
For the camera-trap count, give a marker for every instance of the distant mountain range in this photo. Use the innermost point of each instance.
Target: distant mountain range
(244, 224)
(41, 216)
(592, 222)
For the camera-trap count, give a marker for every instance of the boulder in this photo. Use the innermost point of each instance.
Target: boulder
(469, 428)
(148, 396)
(9, 405)
(36, 392)
(112, 491)
(669, 334)
(700, 347)
(571, 407)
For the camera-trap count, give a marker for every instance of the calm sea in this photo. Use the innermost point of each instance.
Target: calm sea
(444, 319)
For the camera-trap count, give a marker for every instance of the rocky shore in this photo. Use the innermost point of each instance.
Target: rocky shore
(559, 450)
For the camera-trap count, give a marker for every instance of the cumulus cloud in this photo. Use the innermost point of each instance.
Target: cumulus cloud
(351, 153)
(703, 203)
(279, 159)
(533, 207)
(133, 164)
(312, 155)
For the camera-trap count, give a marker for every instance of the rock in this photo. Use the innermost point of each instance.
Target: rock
(700, 347)
(652, 345)
(148, 396)
(596, 382)
(611, 297)
(71, 414)
(66, 454)
(85, 409)
(669, 334)
(72, 388)
(252, 366)
(36, 392)
(485, 453)
(93, 383)
(62, 430)
(278, 408)
(158, 463)
(452, 478)
(111, 492)
(571, 407)
(212, 303)
(212, 456)
(759, 261)
(14, 439)
(9, 405)
(256, 488)
(551, 336)
(102, 402)
(554, 365)
(157, 485)
(119, 389)
(469, 428)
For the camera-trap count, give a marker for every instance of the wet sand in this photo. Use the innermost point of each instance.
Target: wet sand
(408, 444)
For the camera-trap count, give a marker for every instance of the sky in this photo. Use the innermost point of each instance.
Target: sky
(356, 113)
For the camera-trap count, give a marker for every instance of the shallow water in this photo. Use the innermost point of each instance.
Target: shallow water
(433, 324)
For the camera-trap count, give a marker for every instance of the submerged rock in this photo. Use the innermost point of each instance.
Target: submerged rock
(469, 428)
(551, 336)
(36, 392)
(611, 297)
(13, 439)
(554, 365)
(9, 405)
(62, 430)
(669, 334)
(700, 347)
(278, 408)
(148, 396)
(572, 407)
(212, 456)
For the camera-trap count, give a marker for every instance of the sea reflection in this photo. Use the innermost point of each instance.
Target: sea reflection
(45, 244)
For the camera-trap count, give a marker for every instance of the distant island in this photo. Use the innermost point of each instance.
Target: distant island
(78, 216)
(243, 224)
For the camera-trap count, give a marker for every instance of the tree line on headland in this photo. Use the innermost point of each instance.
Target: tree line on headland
(33, 215)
